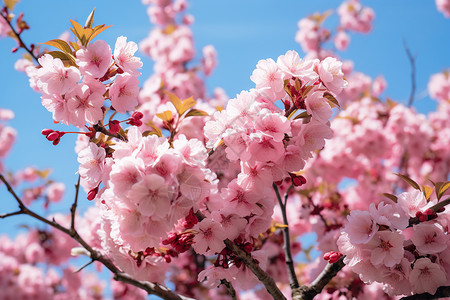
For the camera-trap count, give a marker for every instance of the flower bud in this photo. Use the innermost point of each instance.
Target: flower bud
(46, 131)
(53, 136)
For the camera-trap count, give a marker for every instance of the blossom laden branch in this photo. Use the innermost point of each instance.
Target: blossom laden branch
(20, 42)
(150, 288)
(309, 292)
(230, 288)
(263, 277)
(287, 242)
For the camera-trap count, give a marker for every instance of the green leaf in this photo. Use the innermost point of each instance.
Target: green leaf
(196, 113)
(60, 44)
(441, 188)
(90, 20)
(390, 196)
(409, 181)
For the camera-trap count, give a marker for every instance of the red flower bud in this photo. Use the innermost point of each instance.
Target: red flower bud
(114, 126)
(92, 193)
(297, 180)
(137, 115)
(53, 136)
(46, 131)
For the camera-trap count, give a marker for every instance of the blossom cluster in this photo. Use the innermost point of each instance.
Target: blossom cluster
(380, 245)
(74, 89)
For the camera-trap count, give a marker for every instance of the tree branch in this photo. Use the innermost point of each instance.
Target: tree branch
(19, 39)
(73, 208)
(309, 292)
(434, 208)
(412, 60)
(263, 277)
(230, 288)
(100, 128)
(293, 282)
(150, 288)
(442, 292)
(19, 212)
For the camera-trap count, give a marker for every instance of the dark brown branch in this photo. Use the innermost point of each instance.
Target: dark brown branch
(248, 260)
(412, 60)
(263, 277)
(293, 282)
(19, 212)
(150, 288)
(84, 266)
(434, 208)
(100, 128)
(230, 289)
(309, 292)
(442, 292)
(19, 39)
(73, 208)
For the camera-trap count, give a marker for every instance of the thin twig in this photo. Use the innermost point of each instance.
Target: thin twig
(19, 212)
(73, 208)
(84, 266)
(150, 288)
(412, 60)
(230, 288)
(287, 241)
(100, 128)
(19, 39)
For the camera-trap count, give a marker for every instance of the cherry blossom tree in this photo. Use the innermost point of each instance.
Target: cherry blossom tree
(209, 195)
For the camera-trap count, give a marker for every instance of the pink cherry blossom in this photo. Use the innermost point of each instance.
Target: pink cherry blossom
(268, 75)
(91, 161)
(412, 202)
(54, 78)
(444, 7)
(318, 107)
(341, 40)
(426, 276)
(361, 227)
(85, 106)
(124, 56)
(95, 59)
(386, 248)
(124, 93)
(209, 237)
(330, 73)
(293, 66)
(55, 191)
(152, 196)
(429, 238)
(209, 61)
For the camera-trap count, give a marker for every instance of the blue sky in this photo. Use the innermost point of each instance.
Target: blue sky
(243, 32)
